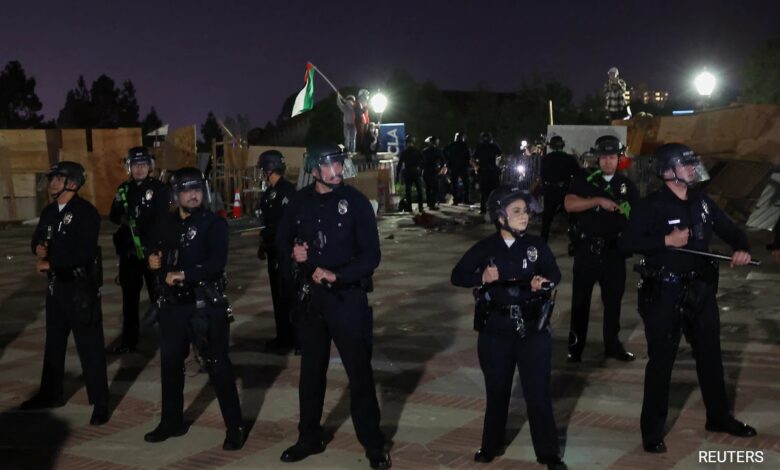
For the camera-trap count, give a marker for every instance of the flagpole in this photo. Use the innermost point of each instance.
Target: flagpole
(325, 78)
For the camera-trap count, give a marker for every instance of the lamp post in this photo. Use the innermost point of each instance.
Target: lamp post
(705, 84)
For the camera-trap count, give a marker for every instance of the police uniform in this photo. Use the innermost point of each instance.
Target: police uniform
(503, 345)
(678, 295)
(597, 259)
(557, 172)
(433, 161)
(485, 154)
(147, 202)
(73, 300)
(272, 204)
(340, 230)
(194, 312)
(410, 163)
(458, 158)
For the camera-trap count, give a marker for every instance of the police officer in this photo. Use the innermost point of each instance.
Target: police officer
(433, 162)
(410, 166)
(677, 293)
(66, 244)
(458, 158)
(193, 248)
(486, 155)
(330, 231)
(139, 203)
(512, 269)
(602, 202)
(272, 204)
(558, 170)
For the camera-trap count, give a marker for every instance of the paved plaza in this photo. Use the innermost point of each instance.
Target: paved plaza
(430, 388)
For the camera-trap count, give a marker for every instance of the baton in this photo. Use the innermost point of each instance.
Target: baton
(753, 262)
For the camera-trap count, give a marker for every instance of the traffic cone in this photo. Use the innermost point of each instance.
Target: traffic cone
(236, 204)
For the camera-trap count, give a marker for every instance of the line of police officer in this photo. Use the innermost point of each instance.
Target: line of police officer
(329, 233)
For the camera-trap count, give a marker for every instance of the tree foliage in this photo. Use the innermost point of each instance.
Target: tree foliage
(19, 105)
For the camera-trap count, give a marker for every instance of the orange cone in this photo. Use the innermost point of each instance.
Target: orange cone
(237, 204)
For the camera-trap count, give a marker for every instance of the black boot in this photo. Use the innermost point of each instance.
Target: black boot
(731, 426)
(100, 415)
(380, 460)
(301, 450)
(234, 438)
(163, 432)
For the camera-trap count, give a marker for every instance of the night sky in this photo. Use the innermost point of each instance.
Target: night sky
(189, 57)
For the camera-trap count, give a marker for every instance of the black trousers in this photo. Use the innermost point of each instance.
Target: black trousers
(663, 330)
(281, 294)
(431, 189)
(553, 204)
(345, 318)
(460, 195)
(608, 270)
(74, 306)
(500, 351)
(176, 334)
(487, 183)
(133, 274)
(414, 180)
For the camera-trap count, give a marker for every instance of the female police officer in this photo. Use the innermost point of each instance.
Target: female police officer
(513, 269)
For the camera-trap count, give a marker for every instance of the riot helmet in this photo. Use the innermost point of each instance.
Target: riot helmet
(189, 179)
(72, 172)
(331, 161)
(498, 202)
(679, 163)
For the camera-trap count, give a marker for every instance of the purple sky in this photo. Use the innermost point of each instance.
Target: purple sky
(248, 56)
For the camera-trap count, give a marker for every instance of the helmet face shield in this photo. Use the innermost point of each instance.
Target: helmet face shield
(335, 168)
(688, 169)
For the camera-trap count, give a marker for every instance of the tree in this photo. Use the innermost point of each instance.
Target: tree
(77, 112)
(210, 130)
(19, 105)
(128, 106)
(762, 74)
(151, 122)
(105, 102)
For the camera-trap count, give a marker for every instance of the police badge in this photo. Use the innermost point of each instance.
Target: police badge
(705, 207)
(623, 189)
(272, 195)
(149, 194)
(532, 253)
(343, 206)
(191, 232)
(67, 218)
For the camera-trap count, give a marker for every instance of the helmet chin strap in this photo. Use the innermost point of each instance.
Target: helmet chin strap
(329, 185)
(517, 234)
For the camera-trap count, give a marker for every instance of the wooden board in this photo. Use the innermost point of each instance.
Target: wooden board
(105, 164)
(179, 149)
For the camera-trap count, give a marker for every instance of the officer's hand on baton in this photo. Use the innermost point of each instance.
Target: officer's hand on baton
(677, 238)
(323, 276)
(300, 252)
(155, 260)
(490, 274)
(608, 204)
(174, 278)
(740, 258)
(537, 283)
(41, 251)
(42, 266)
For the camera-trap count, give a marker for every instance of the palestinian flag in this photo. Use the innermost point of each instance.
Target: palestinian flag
(305, 99)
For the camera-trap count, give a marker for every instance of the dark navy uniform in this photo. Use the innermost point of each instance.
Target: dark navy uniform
(147, 202)
(458, 158)
(485, 155)
(410, 164)
(273, 203)
(597, 259)
(433, 161)
(557, 172)
(195, 312)
(501, 347)
(72, 297)
(340, 230)
(678, 294)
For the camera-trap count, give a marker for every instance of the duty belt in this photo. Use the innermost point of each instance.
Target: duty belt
(519, 316)
(70, 275)
(597, 244)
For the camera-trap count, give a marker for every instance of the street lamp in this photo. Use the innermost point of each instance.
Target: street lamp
(379, 103)
(705, 83)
